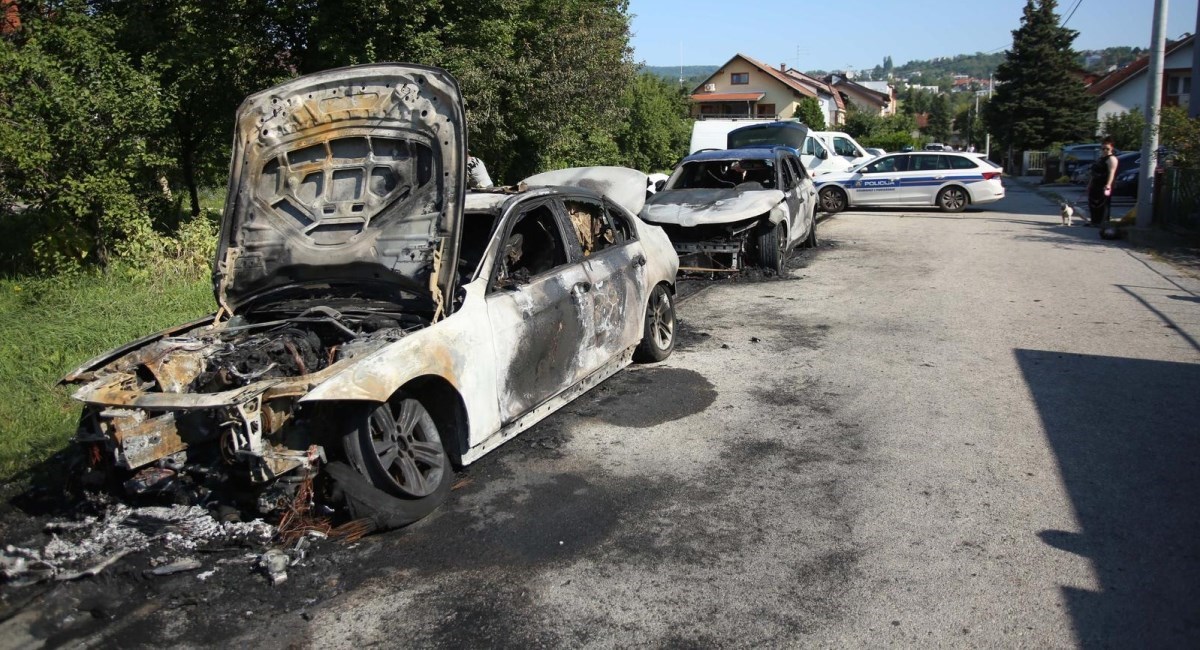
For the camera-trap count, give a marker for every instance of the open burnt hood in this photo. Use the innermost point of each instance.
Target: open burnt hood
(346, 180)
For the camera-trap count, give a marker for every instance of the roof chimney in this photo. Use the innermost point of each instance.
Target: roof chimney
(783, 67)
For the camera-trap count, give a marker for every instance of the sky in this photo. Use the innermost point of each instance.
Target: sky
(857, 34)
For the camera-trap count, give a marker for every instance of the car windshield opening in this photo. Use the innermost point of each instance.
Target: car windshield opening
(746, 173)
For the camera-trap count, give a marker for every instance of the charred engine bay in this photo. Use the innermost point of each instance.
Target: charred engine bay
(211, 416)
(270, 344)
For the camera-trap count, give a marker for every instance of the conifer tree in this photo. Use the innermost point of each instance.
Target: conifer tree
(1039, 100)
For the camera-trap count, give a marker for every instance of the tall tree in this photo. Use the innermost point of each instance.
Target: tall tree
(939, 118)
(207, 57)
(809, 111)
(655, 135)
(1039, 100)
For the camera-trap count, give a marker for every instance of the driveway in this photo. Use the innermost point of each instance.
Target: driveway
(939, 430)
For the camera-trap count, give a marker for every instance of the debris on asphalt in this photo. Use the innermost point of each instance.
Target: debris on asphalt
(274, 564)
(90, 545)
(178, 566)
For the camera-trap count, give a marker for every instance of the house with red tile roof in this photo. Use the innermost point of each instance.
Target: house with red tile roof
(745, 87)
(1125, 88)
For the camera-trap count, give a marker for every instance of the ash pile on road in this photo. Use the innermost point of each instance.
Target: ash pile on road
(171, 535)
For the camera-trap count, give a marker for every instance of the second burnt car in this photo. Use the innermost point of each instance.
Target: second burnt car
(727, 209)
(377, 325)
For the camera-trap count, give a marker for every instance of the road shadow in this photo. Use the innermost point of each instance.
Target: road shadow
(1126, 434)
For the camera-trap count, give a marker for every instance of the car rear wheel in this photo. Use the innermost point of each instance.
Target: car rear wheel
(772, 247)
(397, 448)
(658, 332)
(833, 200)
(811, 240)
(952, 199)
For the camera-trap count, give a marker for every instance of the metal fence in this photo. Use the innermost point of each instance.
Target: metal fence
(1177, 201)
(1033, 163)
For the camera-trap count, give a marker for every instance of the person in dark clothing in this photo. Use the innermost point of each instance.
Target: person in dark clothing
(1099, 191)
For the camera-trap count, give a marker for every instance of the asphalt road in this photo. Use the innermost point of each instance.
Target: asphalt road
(939, 430)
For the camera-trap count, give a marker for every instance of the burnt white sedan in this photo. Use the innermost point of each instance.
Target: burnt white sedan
(950, 181)
(377, 325)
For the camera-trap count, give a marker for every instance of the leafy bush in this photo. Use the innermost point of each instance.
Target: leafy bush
(1178, 132)
(77, 150)
(1125, 128)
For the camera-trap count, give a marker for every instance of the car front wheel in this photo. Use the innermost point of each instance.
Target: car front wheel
(952, 199)
(833, 200)
(772, 247)
(658, 332)
(397, 449)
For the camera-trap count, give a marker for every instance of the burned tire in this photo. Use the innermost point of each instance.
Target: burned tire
(952, 199)
(658, 332)
(833, 200)
(811, 240)
(399, 457)
(772, 248)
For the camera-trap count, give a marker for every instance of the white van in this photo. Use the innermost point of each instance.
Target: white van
(844, 146)
(815, 153)
(712, 134)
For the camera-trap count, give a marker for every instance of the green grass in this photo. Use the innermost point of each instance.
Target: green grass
(48, 326)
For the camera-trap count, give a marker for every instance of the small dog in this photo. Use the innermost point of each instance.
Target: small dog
(1068, 211)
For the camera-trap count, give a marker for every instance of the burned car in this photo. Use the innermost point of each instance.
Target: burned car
(725, 209)
(377, 326)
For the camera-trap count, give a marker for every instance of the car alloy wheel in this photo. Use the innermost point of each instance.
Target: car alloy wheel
(833, 200)
(399, 449)
(952, 199)
(658, 339)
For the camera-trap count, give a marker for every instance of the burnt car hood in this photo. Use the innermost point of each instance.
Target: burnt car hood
(694, 207)
(347, 180)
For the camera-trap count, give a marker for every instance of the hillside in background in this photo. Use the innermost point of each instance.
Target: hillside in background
(692, 74)
(978, 65)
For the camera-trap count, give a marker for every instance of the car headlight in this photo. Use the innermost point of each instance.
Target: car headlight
(1127, 176)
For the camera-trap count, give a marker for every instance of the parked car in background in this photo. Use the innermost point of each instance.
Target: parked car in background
(845, 146)
(816, 154)
(875, 152)
(1075, 156)
(936, 146)
(725, 210)
(1128, 170)
(950, 181)
(377, 325)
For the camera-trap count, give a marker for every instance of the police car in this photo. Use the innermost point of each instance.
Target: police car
(949, 181)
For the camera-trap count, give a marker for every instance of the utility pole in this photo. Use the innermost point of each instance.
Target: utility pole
(1193, 104)
(987, 143)
(1158, 47)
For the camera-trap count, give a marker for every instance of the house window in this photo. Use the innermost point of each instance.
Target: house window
(765, 110)
(1179, 90)
(739, 78)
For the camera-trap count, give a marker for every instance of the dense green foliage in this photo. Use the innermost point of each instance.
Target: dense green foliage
(889, 133)
(939, 119)
(80, 155)
(116, 114)
(657, 131)
(1181, 134)
(1126, 129)
(48, 326)
(1038, 101)
(808, 110)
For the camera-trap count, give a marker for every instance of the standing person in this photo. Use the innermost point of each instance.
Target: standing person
(477, 174)
(1099, 191)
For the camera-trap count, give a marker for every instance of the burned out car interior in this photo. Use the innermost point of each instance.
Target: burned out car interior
(376, 325)
(745, 174)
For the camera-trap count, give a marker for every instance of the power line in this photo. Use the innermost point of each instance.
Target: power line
(1073, 9)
